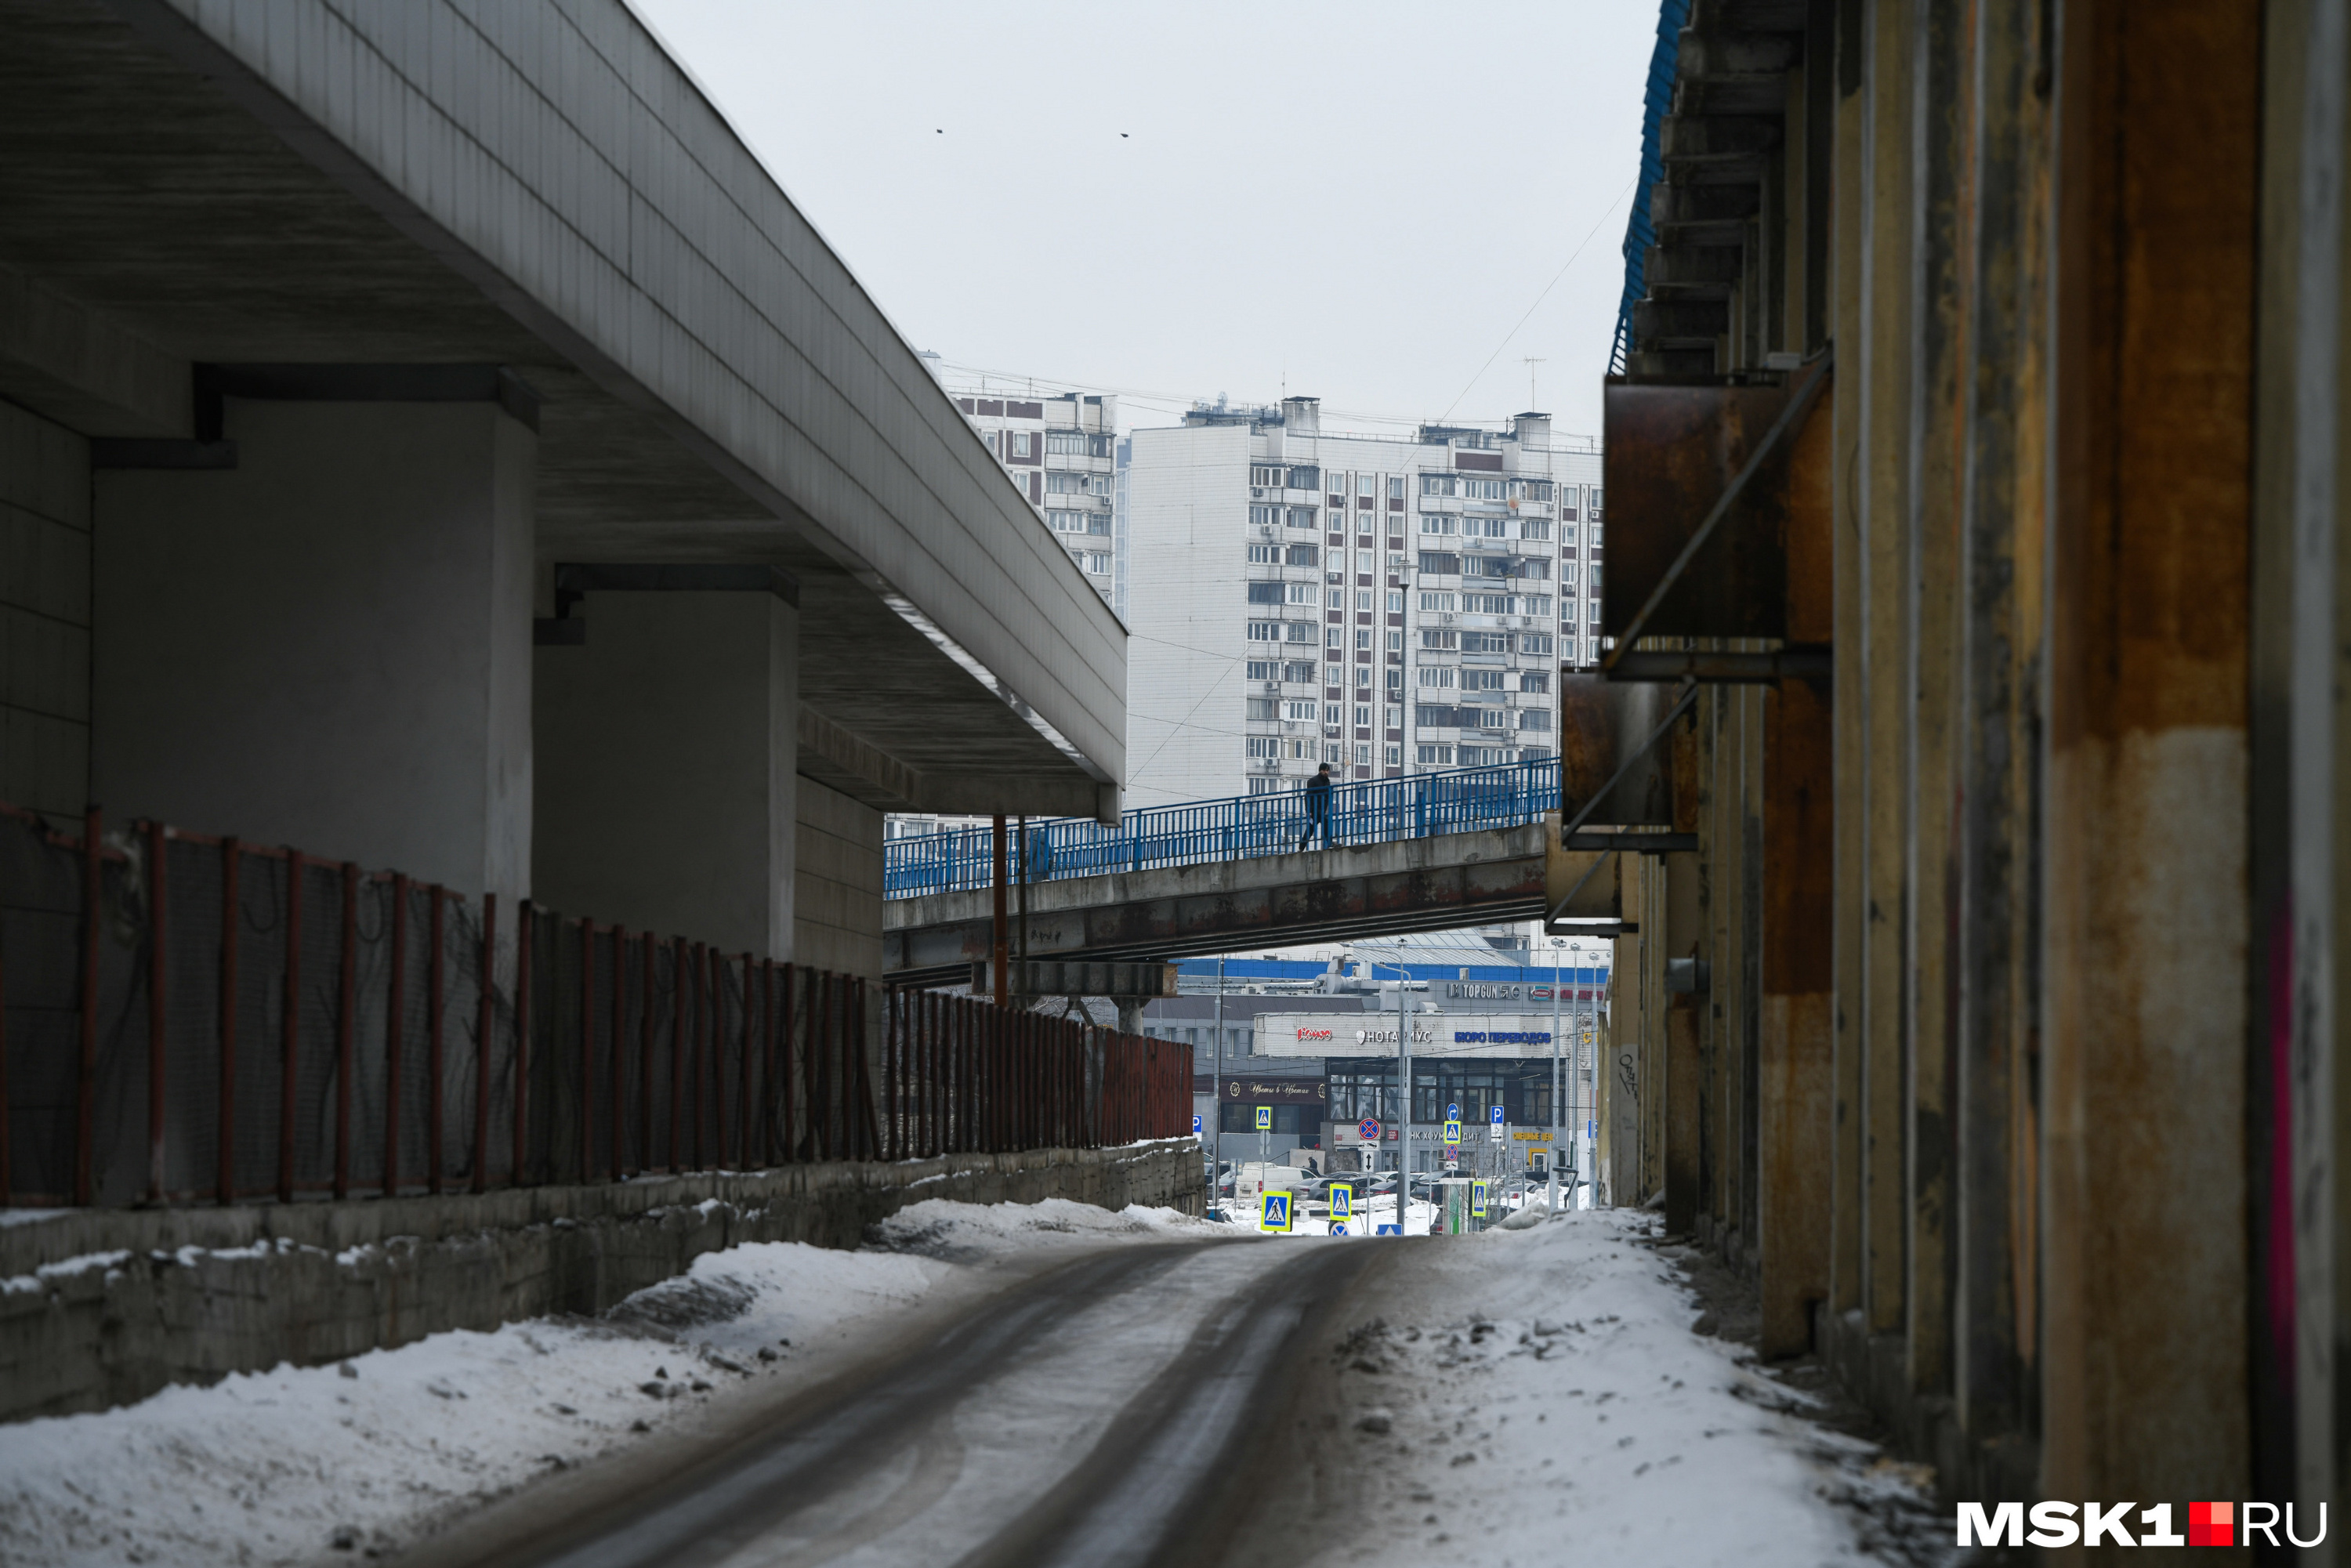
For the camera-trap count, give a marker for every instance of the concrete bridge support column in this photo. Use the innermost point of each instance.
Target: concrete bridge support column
(328, 645)
(668, 741)
(1683, 1071)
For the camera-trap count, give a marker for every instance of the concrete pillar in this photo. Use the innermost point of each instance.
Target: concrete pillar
(837, 912)
(2144, 1040)
(45, 561)
(1795, 1089)
(329, 645)
(666, 781)
(1882, 694)
(1683, 1068)
(1945, 47)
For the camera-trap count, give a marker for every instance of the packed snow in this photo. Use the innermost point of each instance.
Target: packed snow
(1527, 1393)
(302, 1465)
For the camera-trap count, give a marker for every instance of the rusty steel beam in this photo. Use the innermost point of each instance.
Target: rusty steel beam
(1659, 664)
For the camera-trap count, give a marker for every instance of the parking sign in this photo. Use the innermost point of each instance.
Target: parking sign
(1195, 1126)
(1494, 1129)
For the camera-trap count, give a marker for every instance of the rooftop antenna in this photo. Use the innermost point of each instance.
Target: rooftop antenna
(1532, 363)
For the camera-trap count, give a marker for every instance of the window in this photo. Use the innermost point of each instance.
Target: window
(1567, 504)
(1298, 710)
(1536, 566)
(1337, 599)
(1362, 599)
(1535, 528)
(1437, 522)
(1363, 522)
(1396, 488)
(1301, 671)
(1396, 679)
(1567, 537)
(1436, 674)
(1484, 680)
(1363, 716)
(1333, 673)
(1264, 477)
(1363, 637)
(1305, 554)
(1265, 786)
(1363, 678)
(1596, 527)
(1263, 710)
(1300, 516)
(1489, 604)
(1567, 569)
(1438, 601)
(1338, 522)
(1486, 528)
(1567, 648)
(1538, 604)
(1482, 489)
(1439, 485)
(1066, 522)
(1264, 670)
(1535, 718)
(1484, 756)
(1265, 517)
(1395, 755)
(1265, 630)
(1264, 745)
(1362, 755)
(1437, 755)
(1265, 592)
(1432, 638)
(1440, 563)
(1306, 478)
(1299, 593)
(1485, 566)
(1594, 513)
(1332, 713)
(1062, 482)
(1534, 643)
(1595, 577)
(1020, 439)
(1394, 713)
(1301, 630)
(1098, 562)
(1265, 555)
(1295, 748)
(1594, 615)
(1335, 637)
(1395, 636)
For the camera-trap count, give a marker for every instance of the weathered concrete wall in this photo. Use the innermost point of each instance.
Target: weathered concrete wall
(44, 614)
(836, 909)
(101, 1307)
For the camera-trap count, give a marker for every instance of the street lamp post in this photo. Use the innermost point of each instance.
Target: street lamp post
(1403, 1097)
(1558, 1082)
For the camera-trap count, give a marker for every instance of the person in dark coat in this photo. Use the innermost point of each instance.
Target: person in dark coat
(1317, 807)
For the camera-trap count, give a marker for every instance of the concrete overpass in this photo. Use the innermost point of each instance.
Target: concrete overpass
(1338, 895)
(438, 442)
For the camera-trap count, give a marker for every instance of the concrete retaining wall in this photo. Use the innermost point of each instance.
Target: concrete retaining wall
(101, 1307)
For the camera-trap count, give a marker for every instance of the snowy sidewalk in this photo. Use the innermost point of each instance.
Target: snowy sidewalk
(299, 1466)
(1537, 1396)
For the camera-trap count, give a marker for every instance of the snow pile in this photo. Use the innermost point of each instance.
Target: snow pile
(942, 1227)
(1540, 1386)
(305, 1465)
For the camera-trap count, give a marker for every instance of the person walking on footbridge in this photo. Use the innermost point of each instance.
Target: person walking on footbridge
(1317, 807)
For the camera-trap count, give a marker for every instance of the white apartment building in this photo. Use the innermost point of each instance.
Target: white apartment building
(1388, 605)
(1060, 451)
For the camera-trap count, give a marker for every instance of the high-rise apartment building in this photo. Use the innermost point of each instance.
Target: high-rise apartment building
(1060, 451)
(1388, 605)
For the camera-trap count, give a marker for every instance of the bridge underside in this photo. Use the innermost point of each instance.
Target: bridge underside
(1324, 895)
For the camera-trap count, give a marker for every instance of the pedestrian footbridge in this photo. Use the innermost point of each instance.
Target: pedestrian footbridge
(1427, 853)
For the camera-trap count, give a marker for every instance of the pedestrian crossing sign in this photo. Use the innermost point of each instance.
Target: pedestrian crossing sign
(1477, 1199)
(1452, 1132)
(1274, 1215)
(1265, 1118)
(1343, 1201)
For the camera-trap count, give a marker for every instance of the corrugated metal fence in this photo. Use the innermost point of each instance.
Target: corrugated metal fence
(185, 1019)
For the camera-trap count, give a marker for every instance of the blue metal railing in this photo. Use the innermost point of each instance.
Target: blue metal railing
(1241, 827)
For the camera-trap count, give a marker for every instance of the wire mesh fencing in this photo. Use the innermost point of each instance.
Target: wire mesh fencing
(186, 1019)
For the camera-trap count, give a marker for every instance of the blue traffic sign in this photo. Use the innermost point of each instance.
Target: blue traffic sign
(1453, 1111)
(1265, 1118)
(1495, 1115)
(1195, 1126)
(1274, 1215)
(1338, 1227)
(1391, 1230)
(1343, 1202)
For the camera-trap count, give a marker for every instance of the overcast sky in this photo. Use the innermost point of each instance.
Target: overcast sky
(1356, 202)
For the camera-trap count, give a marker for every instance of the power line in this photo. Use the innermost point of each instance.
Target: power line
(1538, 304)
